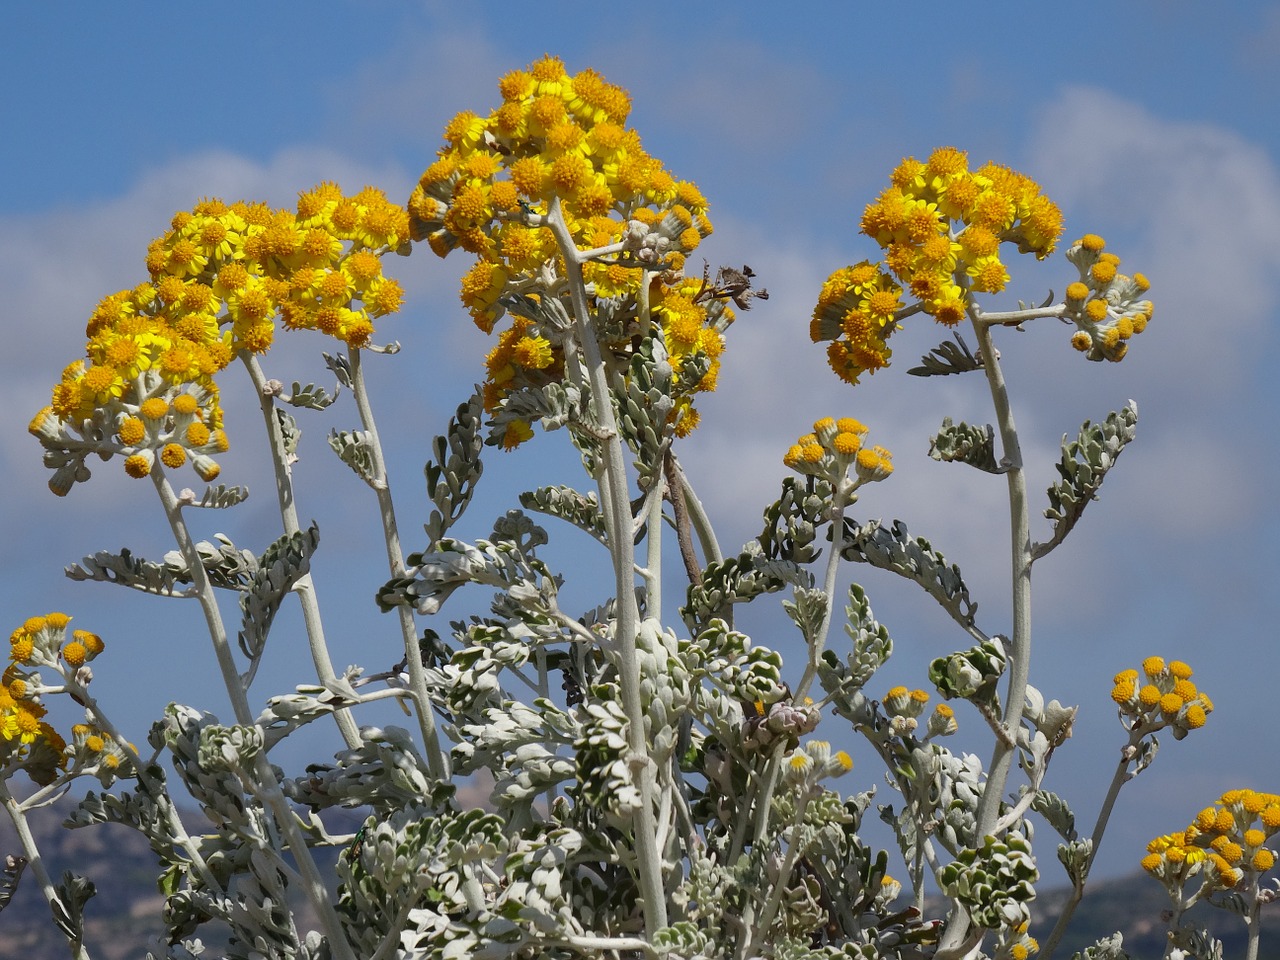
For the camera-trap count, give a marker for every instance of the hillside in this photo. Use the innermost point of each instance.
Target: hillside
(124, 916)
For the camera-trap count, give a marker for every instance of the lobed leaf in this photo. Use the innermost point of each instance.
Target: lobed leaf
(68, 910)
(355, 449)
(1056, 813)
(893, 548)
(965, 443)
(1082, 467)
(127, 570)
(222, 496)
(225, 565)
(947, 358)
(290, 434)
(310, 397)
(9, 877)
(738, 580)
(453, 474)
(580, 509)
(281, 566)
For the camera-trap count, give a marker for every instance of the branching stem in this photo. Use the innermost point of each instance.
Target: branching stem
(612, 480)
(305, 587)
(437, 759)
(36, 863)
(1118, 780)
(263, 775)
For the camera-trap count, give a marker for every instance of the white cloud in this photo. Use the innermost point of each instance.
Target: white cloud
(1196, 207)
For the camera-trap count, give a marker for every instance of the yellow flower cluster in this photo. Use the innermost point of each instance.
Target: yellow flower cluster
(97, 750)
(1162, 695)
(219, 279)
(856, 312)
(27, 741)
(941, 226)
(1104, 304)
(562, 138)
(1226, 841)
(834, 447)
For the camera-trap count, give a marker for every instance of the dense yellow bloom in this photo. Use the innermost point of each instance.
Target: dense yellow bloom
(560, 139)
(219, 280)
(941, 226)
(27, 741)
(1222, 844)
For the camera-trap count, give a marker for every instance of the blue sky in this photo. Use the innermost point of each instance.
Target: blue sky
(1153, 124)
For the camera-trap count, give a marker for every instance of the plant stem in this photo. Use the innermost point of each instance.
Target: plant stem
(680, 514)
(817, 644)
(1118, 780)
(1020, 564)
(305, 587)
(819, 641)
(983, 318)
(617, 513)
(653, 545)
(36, 863)
(1020, 645)
(156, 789)
(208, 602)
(794, 848)
(437, 759)
(264, 777)
(698, 517)
(1253, 921)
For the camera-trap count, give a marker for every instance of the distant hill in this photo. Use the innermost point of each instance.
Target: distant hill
(1136, 906)
(124, 917)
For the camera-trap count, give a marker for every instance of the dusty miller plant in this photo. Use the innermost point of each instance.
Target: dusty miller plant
(658, 788)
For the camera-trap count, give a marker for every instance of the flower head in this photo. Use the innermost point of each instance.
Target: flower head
(1107, 307)
(1163, 695)
(219, 281)
(941, 226)
(833, 450)
(27, 741)
(1222, 846)
(559, 139)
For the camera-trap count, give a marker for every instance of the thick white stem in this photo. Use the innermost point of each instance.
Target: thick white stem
(437, 759)
(617, 512)
(305, 587)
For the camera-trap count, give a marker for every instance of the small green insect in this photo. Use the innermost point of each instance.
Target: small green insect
(353, 852)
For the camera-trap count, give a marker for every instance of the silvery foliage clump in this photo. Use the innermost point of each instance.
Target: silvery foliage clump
(756, 851)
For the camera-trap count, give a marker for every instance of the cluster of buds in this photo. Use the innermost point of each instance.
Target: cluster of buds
(219, 279)
(905, 707)
(1161, 696)
(1104, 304)
(1225, 844)
(994, 882)
(833, 449)
(814, 762)
(784, 719)
(970, 674)
(560, 140)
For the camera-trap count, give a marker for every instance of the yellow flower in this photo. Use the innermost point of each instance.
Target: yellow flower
(561, 137)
